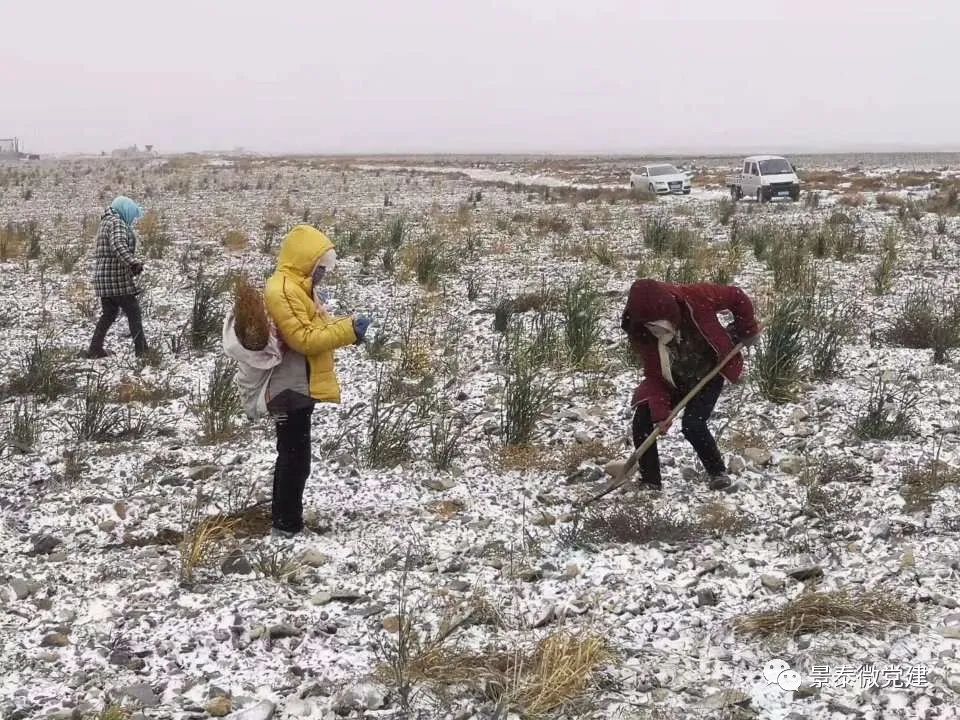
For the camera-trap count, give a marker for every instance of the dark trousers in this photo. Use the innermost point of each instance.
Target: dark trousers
(292, 469)
(110, 308)
(695, 430)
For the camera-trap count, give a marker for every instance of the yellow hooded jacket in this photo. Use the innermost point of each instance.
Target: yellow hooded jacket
(307, 371)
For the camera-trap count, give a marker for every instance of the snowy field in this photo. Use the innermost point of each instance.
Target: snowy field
(440, 593)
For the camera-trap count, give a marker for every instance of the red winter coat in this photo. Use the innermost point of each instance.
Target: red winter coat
(650, 300)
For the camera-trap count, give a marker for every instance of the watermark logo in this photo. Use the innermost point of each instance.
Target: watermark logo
(779, 672)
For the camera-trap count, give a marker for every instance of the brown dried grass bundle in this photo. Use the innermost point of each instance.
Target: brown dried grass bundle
(250, 316)
(829, 612)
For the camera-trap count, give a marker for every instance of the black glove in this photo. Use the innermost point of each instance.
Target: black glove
(136, 268)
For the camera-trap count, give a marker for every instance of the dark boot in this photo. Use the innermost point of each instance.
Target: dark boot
(109, 309)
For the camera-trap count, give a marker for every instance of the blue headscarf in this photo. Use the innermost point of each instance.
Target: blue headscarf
(127, 209)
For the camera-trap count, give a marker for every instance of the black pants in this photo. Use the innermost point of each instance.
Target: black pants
(695, 430)
(110, 308)
(292, 469)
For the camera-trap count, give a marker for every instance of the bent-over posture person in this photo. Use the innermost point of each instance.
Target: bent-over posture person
(675, 331)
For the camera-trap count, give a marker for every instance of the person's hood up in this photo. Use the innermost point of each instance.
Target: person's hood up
(300, 251)
(127, 209)
(651, 301)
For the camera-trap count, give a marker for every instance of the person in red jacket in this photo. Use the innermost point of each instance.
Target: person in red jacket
(675, 331)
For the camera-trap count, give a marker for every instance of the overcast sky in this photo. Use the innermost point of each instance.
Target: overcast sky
(401, 76)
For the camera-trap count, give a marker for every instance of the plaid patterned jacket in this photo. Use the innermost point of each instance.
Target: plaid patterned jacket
(113, 257)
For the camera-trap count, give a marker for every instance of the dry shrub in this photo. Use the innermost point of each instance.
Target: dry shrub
(553, 223)
(235, 240)
(740, 440)
(866, 183)
(836, 611)
(446, 509)
(82, 298)
(831, 501)
(854, 200)
(526, 457)
(254, 521)
(888, 200)
(841, 470)
(250, 316)
(946, 201)
(580, 453)
(637, 522)
(559, 670)
(922, 484)
(202, 543)
(720, 519)
(130, 390)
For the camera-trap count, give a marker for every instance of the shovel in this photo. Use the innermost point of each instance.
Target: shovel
(652, 437)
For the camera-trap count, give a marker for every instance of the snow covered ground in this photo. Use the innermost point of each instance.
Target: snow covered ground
(90, 618)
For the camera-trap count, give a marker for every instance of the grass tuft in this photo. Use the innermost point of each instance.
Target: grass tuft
(840, 611)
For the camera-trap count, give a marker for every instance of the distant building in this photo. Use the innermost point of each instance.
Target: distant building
(133, 152)
(10, 149)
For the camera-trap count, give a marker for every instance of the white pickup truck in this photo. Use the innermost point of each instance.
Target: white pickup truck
(764, 177)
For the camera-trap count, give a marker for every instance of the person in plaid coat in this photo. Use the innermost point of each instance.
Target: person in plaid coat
(114, 275)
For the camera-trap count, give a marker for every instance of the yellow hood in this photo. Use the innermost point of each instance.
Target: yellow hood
(299, 253)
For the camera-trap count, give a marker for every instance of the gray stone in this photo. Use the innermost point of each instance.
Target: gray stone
(284, 630)
(296, 707)
(725, 699)
(108, 526)
(345, 460)
(314, 558)
(951, 632)
(321, 598)
(45, 544)
(236, 564)
(791, 464)
(219, 706)
(689, 474)
(263, 710)
(354, 698)
(771, 582)
(582, 437)
(142, 694)
(54, 639)
(588, 474)
(439, 483)
(23, 588)
(706, 597)
(736, 465)
(202, 472)
(809, 572)
(544, 519)
(759, 457)
(459, 585)
(881, 530)
(345, 596)
(120, 657)
(944, 601)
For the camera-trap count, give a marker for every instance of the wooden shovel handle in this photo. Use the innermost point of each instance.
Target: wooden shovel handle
(652, 437)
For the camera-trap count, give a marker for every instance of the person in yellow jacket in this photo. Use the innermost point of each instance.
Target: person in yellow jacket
(309, 336)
